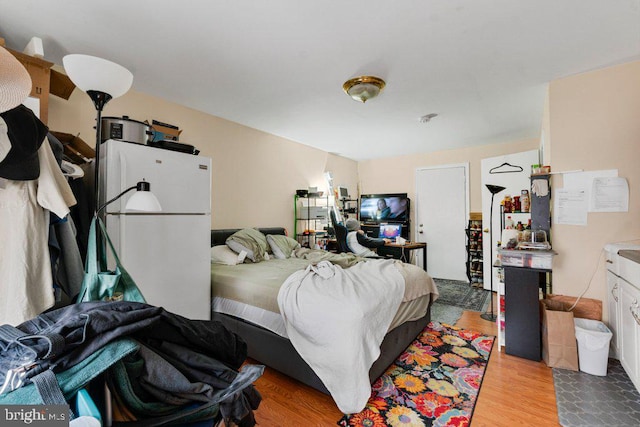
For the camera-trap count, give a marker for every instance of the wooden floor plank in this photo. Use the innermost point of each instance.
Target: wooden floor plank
(514, 392)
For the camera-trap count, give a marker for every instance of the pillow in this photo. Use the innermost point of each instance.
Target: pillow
(282, 246)
(250, 240)
(222, 254)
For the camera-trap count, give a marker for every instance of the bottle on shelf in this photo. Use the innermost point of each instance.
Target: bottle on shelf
(508, 204)
(508, 223)
(516, 204)
(525, 201)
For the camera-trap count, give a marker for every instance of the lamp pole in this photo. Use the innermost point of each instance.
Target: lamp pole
(494, 189)
(99, 99)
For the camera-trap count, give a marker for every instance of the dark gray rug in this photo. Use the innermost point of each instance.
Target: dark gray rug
(587, 400)
(456, 297)
(446, 314)
(462, 294)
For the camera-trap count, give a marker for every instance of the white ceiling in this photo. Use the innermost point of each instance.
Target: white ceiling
(279, 65)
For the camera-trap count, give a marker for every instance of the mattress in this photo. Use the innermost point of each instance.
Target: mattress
(250, 292)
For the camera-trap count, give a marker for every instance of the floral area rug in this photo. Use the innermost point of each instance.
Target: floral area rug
(435, 382)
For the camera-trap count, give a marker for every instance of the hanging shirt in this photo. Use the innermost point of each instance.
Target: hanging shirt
(25, 268)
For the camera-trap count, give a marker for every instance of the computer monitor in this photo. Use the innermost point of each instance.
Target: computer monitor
(390, 231)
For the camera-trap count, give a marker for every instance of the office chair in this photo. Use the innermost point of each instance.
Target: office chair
(341, 233)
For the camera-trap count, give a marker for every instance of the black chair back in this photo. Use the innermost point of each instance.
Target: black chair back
(341, 233)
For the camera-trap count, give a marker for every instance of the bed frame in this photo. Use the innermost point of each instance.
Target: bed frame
(278, 353)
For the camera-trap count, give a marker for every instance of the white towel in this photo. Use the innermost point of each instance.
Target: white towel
(540, 187)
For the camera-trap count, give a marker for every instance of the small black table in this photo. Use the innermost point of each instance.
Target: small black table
(522, 311)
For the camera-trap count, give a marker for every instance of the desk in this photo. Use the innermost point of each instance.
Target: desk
(405, 250)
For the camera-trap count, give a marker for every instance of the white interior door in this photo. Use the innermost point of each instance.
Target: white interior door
(442, 209)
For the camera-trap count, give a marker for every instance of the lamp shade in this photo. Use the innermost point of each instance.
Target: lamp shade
(97, 74)
(494, 189)
(144, 201)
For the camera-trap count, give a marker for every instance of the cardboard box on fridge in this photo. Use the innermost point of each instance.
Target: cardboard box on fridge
(165, 132)
(559, 346)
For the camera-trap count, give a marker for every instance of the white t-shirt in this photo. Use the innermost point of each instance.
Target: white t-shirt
(25, 267)
(356, 247)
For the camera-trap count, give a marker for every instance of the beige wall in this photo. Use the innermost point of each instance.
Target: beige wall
(545, 134)
(254, 175)
(399, 174)
(595, 125)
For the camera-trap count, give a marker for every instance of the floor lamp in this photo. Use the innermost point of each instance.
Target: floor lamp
(494, 189)
(104, 80)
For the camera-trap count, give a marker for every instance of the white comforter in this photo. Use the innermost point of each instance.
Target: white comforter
(337, 318)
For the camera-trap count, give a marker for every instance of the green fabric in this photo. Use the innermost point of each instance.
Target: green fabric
(254, 284)
(76, 377)
(99, 285)
(250, 240)
(124, 381)
(282, 246)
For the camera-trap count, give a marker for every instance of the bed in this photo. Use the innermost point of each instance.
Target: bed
(257, 319)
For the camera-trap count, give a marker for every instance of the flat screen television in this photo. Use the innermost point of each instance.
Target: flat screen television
(376, 208)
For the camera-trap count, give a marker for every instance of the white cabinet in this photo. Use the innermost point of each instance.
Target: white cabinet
(623, 302)
(629, 330)
(613, 303)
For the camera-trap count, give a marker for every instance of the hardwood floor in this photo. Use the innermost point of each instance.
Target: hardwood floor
(514, 392)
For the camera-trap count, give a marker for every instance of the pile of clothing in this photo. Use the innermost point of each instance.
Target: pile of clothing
(160, 368)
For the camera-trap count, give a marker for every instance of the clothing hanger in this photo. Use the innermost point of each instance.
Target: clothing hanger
(71, 170)
(516, 168)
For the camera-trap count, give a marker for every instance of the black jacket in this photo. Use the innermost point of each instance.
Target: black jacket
(369, 242)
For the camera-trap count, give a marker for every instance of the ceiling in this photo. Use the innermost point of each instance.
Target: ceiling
(279, 65)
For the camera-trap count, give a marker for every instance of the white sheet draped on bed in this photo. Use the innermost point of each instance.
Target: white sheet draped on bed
(337, 318)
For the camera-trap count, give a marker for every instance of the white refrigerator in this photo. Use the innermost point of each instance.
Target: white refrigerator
(167, 253)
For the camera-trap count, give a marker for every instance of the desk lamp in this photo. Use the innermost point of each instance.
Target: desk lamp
(493, 189)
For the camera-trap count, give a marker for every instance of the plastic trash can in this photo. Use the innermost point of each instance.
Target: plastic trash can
(593, 346)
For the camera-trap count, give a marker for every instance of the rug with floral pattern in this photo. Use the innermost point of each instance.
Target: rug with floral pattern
(435, 382)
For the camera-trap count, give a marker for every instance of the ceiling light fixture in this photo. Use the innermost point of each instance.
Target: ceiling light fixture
(364, 87)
